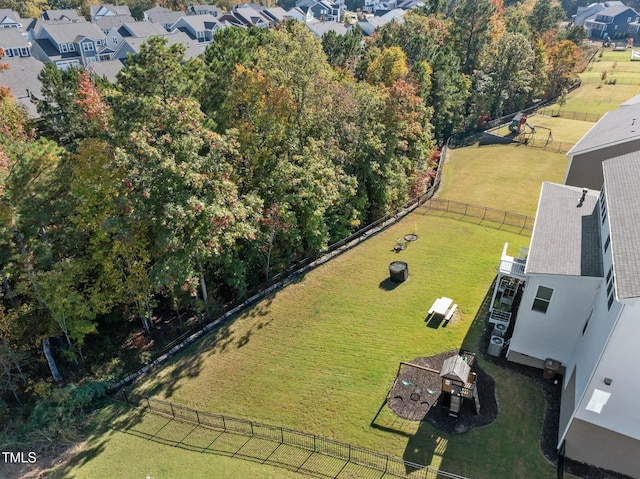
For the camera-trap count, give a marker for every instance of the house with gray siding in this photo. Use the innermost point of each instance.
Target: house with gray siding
(616, 133)
(580, 305)
(69, 44)
(9, 19)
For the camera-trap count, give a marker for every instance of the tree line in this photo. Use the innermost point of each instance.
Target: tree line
(188, 182)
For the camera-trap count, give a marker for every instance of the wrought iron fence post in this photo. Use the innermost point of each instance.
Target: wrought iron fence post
(224, 425)
(251, 426)
(173, 413)
(197, 417)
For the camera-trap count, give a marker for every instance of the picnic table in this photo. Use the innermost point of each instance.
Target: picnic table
(444, 307)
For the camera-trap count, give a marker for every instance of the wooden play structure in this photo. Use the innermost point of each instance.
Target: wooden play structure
(450, 386)
(459, 383)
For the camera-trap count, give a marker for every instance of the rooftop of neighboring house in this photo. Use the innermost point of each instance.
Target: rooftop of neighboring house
(204, 9)
(614, 128)
(611, 11)
(66, 14)
(201, 22)
(566, 235)
(8, 16)
(111, 21)
(71, 32)
(108, 69)
(319, 28)
(165, 17)
(22, 78)
(11, 37)
(622, 181)
(141, 29)
(116, 10)
(192, 47)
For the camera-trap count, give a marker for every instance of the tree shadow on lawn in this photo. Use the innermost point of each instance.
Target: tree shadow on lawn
(189, 363)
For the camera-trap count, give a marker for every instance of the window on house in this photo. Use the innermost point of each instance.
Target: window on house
(71, 46)
(615, 27)
(87, 47)
(9, 52)
(64, 48)
(114, 40)
(200, 34)
(24, 52)
(611, 281)
(542, 299)
(607, 243)
(628, 19)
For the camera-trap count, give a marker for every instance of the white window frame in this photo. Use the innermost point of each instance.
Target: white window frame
(64, 48)
(24, 52)
(88, 47)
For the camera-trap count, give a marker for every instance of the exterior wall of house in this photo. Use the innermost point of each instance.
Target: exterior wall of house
(568, 400)
(585, 171)
(603, 448)
(552, 334)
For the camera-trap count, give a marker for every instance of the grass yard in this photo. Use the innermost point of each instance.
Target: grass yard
(505, 177)
(562, 129)
(594, 96)
(321, 355)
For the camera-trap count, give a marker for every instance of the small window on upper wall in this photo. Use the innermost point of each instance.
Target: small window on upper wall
(542, 299)
(607, 243)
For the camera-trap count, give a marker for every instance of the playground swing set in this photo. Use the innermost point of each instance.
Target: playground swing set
(518, 128)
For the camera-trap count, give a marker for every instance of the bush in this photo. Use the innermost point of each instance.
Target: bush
(58, 413)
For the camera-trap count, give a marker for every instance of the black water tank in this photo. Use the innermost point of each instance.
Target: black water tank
(399, 271)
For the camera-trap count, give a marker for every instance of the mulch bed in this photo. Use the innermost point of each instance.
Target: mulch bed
(416, 395)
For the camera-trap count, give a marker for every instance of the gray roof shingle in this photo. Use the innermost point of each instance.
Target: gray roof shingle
(616, 127)
(12, 38)
(622, 181)
(22, 78)
(566, 237)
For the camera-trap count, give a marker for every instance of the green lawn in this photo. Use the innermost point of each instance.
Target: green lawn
(505, 177)
(594, 96)
(322, 354)
(562, 129)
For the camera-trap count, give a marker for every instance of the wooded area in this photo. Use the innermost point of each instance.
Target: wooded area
(186, 183)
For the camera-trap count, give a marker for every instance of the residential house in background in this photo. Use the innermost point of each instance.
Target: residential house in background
(369, 23)
(131, 45)
(198, 27)
(163, 16)
(319, 28)
(578, 310)
(110, 16)
(65, 16)
(302, 14)
(325, 10)
(9, 19)
(69, 44)
(22, 75)
(588, 11)
(616, 21)
(204, 10)
(116, 36)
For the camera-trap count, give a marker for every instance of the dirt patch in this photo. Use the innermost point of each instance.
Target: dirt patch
(417, 395)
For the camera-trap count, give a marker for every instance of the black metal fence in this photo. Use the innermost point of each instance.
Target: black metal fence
(481, 212)
(384, 463)
(570, 115)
